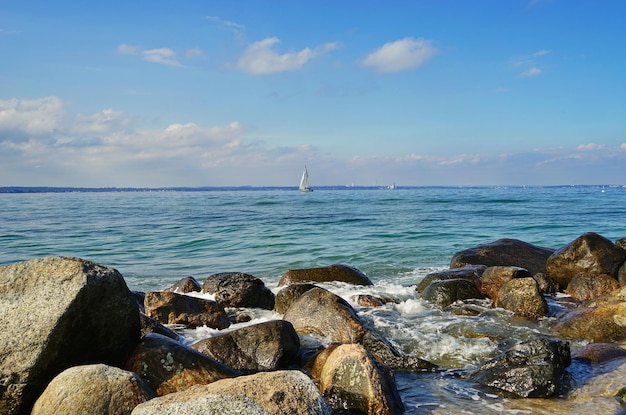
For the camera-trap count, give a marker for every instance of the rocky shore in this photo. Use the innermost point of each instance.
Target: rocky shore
(78, 341)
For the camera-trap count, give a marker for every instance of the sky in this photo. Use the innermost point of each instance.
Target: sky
(192, 93)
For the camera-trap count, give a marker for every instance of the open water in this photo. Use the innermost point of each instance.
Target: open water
(395, 236)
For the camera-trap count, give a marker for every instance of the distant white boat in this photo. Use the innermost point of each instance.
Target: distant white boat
(391, 186)
(304, 182)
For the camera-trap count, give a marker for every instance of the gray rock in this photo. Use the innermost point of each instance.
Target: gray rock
(59, 312)
(237, 289)
(186, 285)
(93, 390)
(469, 272)
(445, 292)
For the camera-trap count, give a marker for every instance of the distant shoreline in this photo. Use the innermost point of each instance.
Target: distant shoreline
(61, 189)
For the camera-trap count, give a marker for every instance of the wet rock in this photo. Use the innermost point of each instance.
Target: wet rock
(173, 308)
(351, 379)
(603, 323)
(546, 284)
(237, 289)
(621, 275)
(470, 272)
(494, 278)
(270, 345)
(445, 292)
(621, 243)
(590, 253)
(597, 353)
(59, 312)
(331, 273)
(504, 252)
(168, 366)
(265, 393)
(531, 369)
(186, 285)
(150, 325)
(286, 296)
(385, 352)
(523, 297)
(368, 301)
(585, 287)
(609, 382)
(93, 390)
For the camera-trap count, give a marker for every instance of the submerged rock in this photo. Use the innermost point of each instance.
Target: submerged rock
(173, 308)
(93, 390)
(505, 252)
(59, 312)
(590, 253)
(331, 273)
(266, 393)
(237, 289)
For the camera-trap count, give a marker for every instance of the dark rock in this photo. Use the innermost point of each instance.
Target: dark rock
(621, 275)
(546, 284)
(504, 252)
(621, 243)
(150, 325)
(59, 312)
(368, 301)
(445, 292)
(331, 273)
(523, 297)
(351, 379)
(286, 296)
(173, 308)
(186, 285)
(384, 351)
(270, 345)
(266, 393)
(494, 278)
(603, 323)
(139, 297)
(169, 366)
(597, 353)
(236, 289)
(588, 254)
(585, 287)
(93, 390)
(531, 369)
(470, 272)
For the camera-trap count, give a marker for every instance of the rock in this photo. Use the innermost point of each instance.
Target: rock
(173, 308)
(150, 325)
(470, 272)
(504, 252)
(270, 345)
(186, 285)
(585, 287)
(331, 273)
(494, 278)
(590, 253)
(621, 275)
(351, 379)
(286, 296)
(621, 243)
(93, 390)
(168, 366)
(368, 301)
(385, 352)
(546, 284)
(603, 323)
(608, 383)
(523, 297)
(59, 312)
(597, 353)
(531, 369)
(236, 289)
(266, 393)
(445, 292)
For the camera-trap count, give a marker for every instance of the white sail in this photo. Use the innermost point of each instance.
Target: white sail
(304, 182)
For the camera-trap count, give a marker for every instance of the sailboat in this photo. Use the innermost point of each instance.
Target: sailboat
(304, 182)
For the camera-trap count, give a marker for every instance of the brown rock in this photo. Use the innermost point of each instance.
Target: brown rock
(596, 353)
(588, 254)
(368, 301)
(504, 252)
(523, 297)
(588, 286)
(286, 296)
(603, 323)
(331, 273)
(494, 278)
(173, 308)
(93, 390)
(546, 284)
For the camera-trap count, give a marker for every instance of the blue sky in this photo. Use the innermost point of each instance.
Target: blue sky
(226, 93)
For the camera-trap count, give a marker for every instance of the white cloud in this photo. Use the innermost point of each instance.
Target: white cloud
(31, 116)
(400, 55)
(590, 147)
(261, 59)
(623, 146)
(531, 72)
(164, 56)
(234, 27)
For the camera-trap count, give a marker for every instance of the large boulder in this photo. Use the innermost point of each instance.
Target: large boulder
(523, 297)
(531, 369)
(505, 252)
(172, 308)
(270, 345)
(598, 353)
(266, 393)
(331, 273)
(470, 272)
(287, 295)
(237, 289)
(445, 292)
(351, 379)
(585, 287)
(590, 253)
(168, 366)
(494, 278)
(605, 322)
(59, 312)
(93, 390)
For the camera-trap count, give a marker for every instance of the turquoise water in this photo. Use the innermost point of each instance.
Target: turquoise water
(395, 236)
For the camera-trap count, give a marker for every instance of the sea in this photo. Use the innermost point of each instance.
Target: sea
(155, 237)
